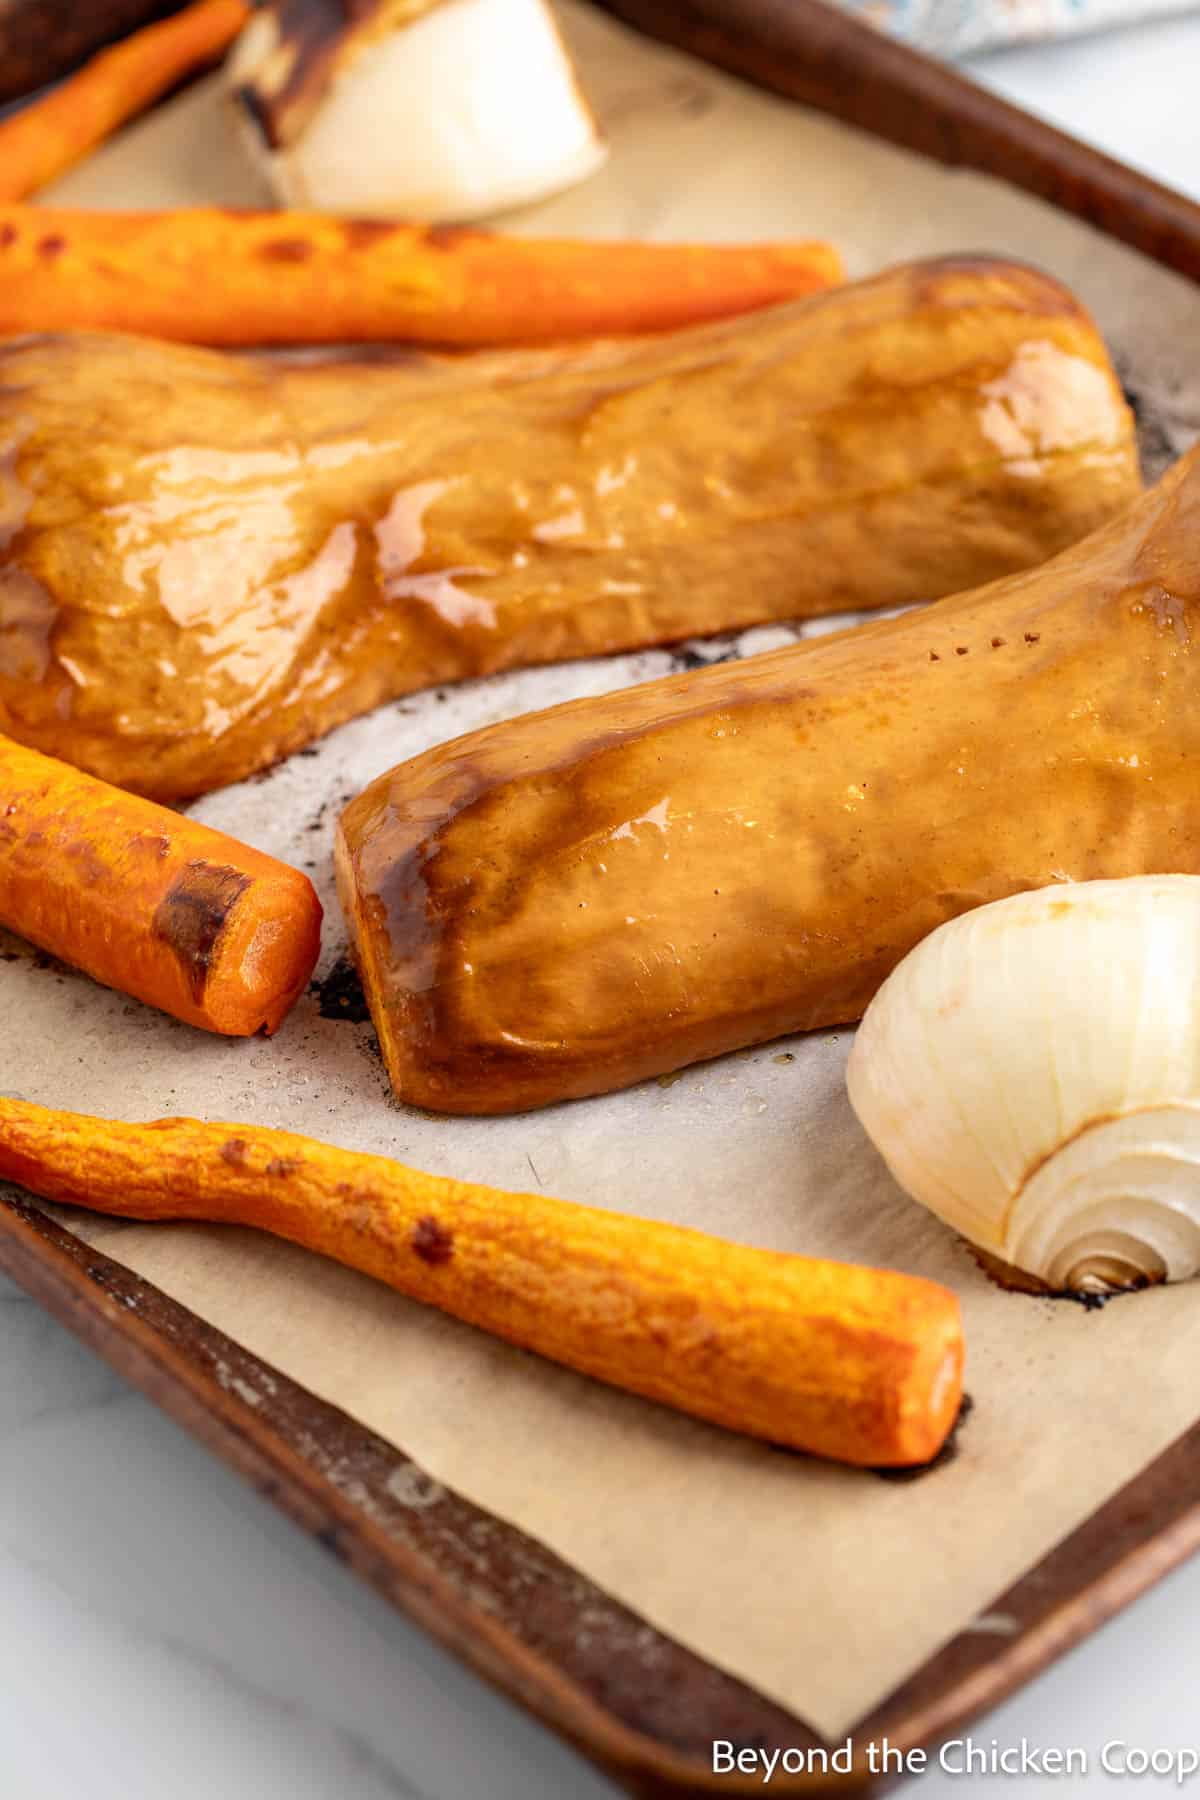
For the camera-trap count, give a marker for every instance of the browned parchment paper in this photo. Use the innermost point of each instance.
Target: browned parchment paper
(822, 1587)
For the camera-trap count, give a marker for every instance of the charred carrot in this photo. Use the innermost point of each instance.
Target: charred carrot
(44, 140)
(179, 916)
(862, 1365)
(204, 276)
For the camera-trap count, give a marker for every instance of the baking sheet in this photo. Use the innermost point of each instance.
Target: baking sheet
(822, 1587)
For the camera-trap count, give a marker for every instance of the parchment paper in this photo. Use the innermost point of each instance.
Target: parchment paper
(822, 1587)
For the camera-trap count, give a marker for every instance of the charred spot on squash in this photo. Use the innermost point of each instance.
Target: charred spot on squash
(943, 280)
(432, 1242)
(283, 1166)
(233, 1151)
(194, 914)
(8, 236)
(51, 246)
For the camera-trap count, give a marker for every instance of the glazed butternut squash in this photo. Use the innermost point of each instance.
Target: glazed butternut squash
(576, 899)
(207, 560)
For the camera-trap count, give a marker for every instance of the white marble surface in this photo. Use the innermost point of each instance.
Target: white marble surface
(168, 1636)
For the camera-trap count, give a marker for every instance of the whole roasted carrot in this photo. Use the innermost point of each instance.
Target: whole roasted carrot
(179, 916)
(862, 1365)
(205, 276)
(38, 144)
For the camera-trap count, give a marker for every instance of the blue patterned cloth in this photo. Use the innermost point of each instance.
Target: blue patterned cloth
(957, 27)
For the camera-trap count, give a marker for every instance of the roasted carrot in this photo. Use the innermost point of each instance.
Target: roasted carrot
(44, 140)
(179, 916)
(205, 276)
(862, 1365)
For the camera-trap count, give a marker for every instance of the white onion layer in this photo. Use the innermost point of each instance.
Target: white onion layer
(1031, 1073)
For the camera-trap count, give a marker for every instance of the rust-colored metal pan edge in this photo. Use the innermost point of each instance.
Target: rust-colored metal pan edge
(810, 52)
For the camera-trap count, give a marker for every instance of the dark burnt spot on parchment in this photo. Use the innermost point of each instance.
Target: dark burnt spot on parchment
(339, 994)
(1154, 444)
(194, 915)
(1163, 418)
(1019, 1281)
(684, 659)
(1091, 1302)
(432, 1242)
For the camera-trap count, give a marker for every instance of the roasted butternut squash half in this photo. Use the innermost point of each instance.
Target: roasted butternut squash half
(208, 559)
(576, 899)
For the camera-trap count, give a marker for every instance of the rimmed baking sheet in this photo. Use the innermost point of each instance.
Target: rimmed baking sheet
(822, 1588)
